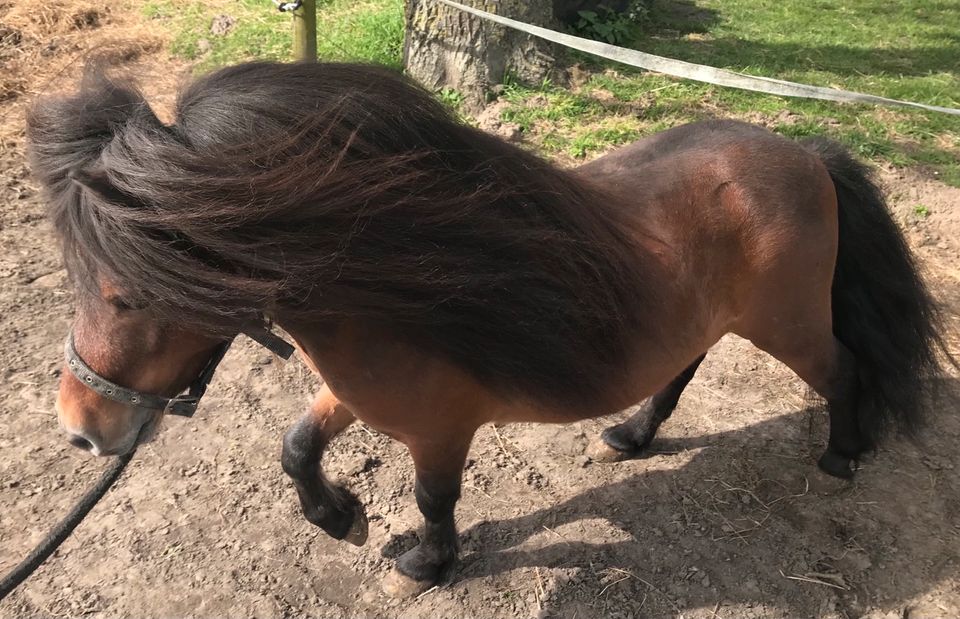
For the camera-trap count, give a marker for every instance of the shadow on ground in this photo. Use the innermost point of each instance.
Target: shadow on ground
(748, 522)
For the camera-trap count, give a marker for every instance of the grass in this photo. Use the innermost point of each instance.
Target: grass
(901, 50)
(904, 50)
(370, 31)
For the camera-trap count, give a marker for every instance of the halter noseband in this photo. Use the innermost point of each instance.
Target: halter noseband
(184, 404)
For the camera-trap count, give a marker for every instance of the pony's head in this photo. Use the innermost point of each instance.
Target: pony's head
(118, 348)
(123, 370)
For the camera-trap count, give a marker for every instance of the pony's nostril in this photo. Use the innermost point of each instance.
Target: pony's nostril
(79, 441)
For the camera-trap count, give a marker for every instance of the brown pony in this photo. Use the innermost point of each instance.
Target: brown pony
(438, 278)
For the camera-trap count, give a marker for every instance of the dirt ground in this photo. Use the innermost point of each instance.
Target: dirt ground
(728, 518)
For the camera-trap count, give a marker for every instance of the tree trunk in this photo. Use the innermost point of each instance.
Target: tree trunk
(447, 48)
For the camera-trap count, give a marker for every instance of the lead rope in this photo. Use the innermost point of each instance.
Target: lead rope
(66, 526)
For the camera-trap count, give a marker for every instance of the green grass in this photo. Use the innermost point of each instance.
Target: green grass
(370, 31)
(904, 50)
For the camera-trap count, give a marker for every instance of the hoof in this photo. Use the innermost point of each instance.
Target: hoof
(599, 451)
(836, 465)
(400, 586)
(359, 529)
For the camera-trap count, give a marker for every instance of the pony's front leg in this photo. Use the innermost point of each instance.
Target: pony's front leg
(439, 464)
(630, 438)
(330, 507)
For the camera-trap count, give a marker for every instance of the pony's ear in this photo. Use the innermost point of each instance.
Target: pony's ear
(94, 178)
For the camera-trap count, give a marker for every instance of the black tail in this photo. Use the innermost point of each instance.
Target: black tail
(882, 310)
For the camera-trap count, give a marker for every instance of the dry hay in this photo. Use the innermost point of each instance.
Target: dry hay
(43, 47)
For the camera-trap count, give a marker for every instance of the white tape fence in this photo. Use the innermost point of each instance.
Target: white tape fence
(696, 72)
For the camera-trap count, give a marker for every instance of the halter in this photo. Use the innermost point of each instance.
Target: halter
(184, 404)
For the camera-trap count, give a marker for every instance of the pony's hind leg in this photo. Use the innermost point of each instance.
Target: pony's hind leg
(824, 363)
(330, 507)
(628, 439)
(439, 464)
(846, 442)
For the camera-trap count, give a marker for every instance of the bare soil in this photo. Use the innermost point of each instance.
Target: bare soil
(729, 516)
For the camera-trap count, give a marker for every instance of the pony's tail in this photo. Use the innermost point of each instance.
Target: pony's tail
(882, 310)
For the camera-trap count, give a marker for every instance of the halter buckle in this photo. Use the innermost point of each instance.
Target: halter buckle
(183, 406)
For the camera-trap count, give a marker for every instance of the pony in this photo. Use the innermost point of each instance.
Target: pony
(438, 278)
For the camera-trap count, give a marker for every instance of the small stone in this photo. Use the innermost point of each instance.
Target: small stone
(858, 561)
(51, 280)
(937, 463)
(222, 24)
(358, 465)
(511, 132)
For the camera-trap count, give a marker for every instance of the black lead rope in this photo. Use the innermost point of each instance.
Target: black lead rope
(66, 526)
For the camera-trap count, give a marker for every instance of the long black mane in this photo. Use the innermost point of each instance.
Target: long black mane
(332, 191)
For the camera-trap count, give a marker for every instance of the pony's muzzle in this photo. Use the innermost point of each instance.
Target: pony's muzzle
(78, 441)
(88, 443)
(82, 431)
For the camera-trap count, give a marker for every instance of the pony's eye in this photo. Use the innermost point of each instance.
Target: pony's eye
(122, 305)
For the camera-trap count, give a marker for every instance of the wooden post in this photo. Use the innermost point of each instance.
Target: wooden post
(305, 31)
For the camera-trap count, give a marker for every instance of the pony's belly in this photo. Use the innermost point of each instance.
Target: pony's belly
(548, 414)
(622, 396)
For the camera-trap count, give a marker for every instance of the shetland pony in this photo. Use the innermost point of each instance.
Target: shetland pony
(438, 278)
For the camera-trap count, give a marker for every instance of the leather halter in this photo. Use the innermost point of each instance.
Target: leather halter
(184, 404)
